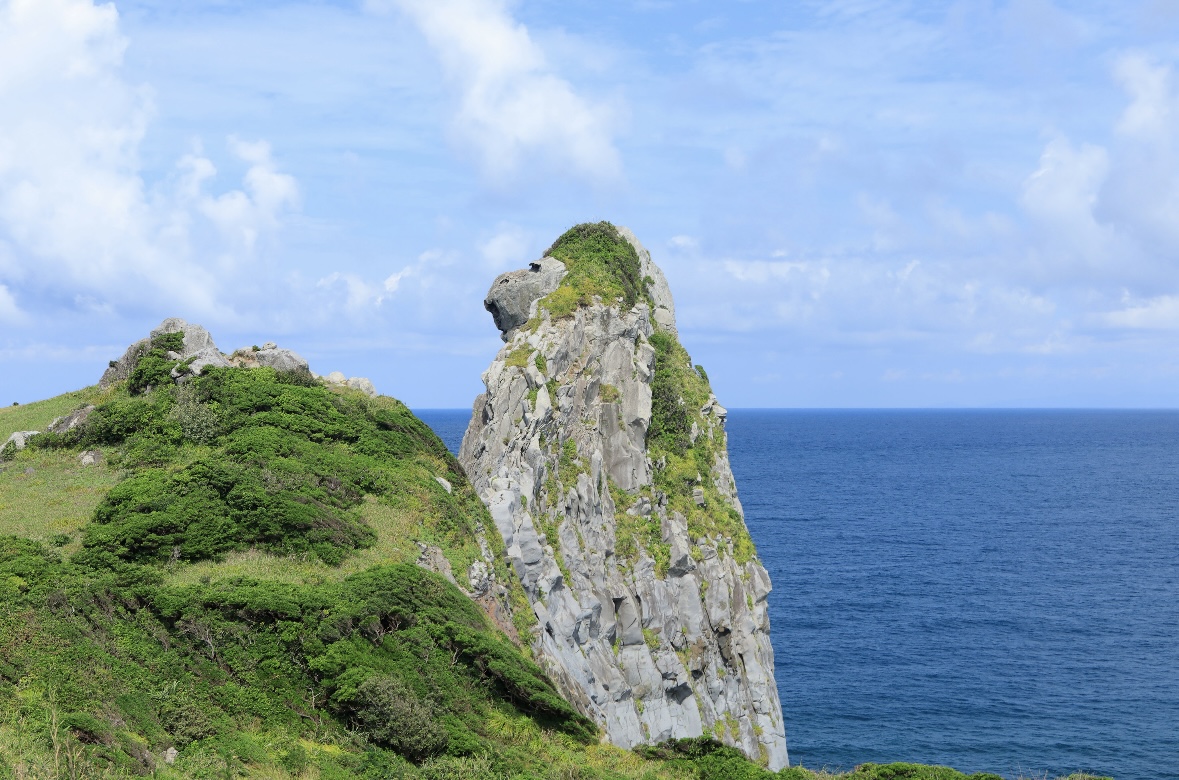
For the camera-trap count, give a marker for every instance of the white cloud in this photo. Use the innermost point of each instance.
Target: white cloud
(508, 248)
(9, 311)
(1106, 213)
(240, 216)
(80, 222)
(514, 108)
(358, 298)
(1158, 313)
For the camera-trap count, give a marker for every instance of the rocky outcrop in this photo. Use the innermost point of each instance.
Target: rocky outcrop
(69, 422)
(360, 383)
(513, 295)
(198, 349)
(650, 604)
(269, 354)
(17, 440)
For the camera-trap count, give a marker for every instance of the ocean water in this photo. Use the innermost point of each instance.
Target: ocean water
(990, 590)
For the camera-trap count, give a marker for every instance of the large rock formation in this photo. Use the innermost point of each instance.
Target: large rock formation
(198, 351)
(601, 454)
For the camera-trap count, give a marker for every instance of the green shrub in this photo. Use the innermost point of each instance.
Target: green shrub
(518, 357)
(389, 713)
(198, 421)
(670, 424)
(154, 367)
(184, 717)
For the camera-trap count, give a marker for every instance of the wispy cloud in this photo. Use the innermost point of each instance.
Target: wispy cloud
(514, 109)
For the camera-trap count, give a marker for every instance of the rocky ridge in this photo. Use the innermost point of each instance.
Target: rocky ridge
(198, 351)
(600, 452)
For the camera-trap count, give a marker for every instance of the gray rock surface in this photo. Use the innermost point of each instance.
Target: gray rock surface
(71, 420)
(19, 439)
(360, 383)
(649, 657)
(198, 344)
(269, 355)
(512, 295)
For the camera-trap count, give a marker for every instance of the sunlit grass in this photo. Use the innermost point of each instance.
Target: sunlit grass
(58, 497)
(396, 529)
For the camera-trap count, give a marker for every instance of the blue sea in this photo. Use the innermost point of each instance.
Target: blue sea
(990, 590)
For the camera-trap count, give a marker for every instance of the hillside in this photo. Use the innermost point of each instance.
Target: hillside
(220, 577)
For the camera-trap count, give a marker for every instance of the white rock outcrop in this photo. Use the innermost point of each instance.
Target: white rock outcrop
(651, 652)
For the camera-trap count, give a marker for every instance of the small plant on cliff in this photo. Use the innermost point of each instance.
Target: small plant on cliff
(518, 357)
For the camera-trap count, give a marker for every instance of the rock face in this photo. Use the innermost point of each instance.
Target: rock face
(652, 619)
(512, 294)
(198, 345)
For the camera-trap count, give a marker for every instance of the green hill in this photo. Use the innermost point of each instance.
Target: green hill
(229, 588)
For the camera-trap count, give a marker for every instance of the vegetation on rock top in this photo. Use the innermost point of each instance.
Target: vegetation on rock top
(598, 262)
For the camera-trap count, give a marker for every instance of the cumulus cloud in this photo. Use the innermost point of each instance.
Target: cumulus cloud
(81, 224)
(1104, 215)
(360, 298)
(514, 108)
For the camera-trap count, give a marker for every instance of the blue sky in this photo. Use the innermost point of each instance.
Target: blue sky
(857, 202)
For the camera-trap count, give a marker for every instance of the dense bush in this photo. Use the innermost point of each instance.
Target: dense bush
(670, 424)
(389, 713)
(260, 458)
(154, 367)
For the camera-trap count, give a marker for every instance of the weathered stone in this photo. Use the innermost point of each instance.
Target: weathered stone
(269, 355)
(90, 457)
(197, 344)
(364, 385)
(432, 558)
(512, 294)
(19, 439)
(71, 420)
(612, 635)
(356, 383)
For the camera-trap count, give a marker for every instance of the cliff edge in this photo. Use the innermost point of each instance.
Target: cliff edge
(601, 453)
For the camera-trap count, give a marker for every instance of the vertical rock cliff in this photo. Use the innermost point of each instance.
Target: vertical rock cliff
(600, 451)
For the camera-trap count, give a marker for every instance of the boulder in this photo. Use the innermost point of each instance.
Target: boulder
(71, 420)
(269, 355)
(512, 294)
(355, 383)
(19, 439)
(197, 344)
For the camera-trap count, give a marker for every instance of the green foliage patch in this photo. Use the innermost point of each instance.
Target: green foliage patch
(599, 262)
(678, 392)
(237, 459)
